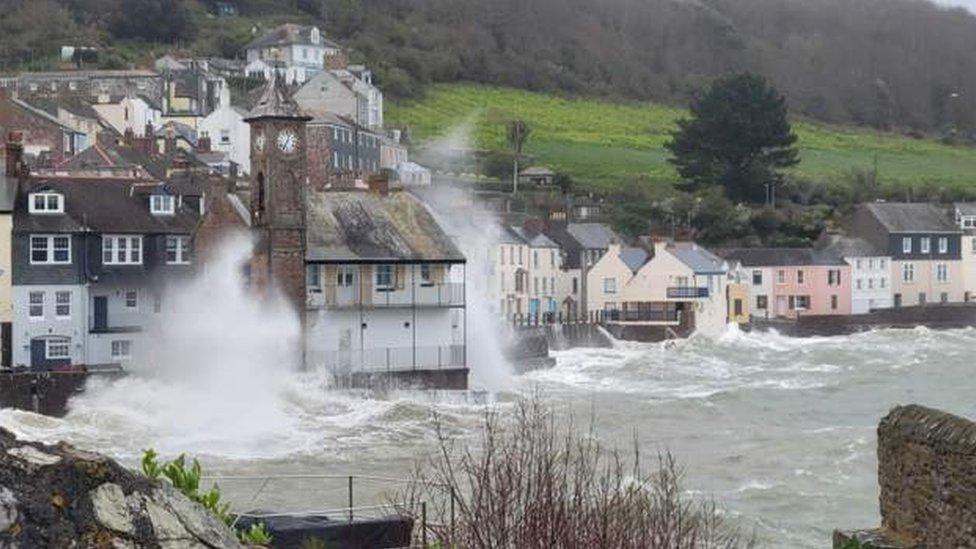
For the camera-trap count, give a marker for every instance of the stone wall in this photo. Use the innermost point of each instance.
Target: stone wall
(927, 475)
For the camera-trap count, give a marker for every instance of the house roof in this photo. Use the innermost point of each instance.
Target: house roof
(538, 171)
(592, 235)
(533, 239)
(698, 259)
(74, 105)
(840, 247)
(102, 205)
(774, 257)
(359, 226)
(287, 35)
(180, 129)
(911, 217)
(634, 258)
(966, 208)
(275, 102)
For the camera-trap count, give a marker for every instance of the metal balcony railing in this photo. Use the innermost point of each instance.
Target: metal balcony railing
(423, 295)
(396, 359)
(687, 292)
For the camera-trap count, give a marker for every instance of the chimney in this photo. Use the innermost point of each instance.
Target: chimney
(169, 142)
(128, 137)
(203, 143)
(15, 153)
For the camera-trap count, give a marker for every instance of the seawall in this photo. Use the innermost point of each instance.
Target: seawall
(45, 392)
(938, 317)
(927, 476)
(529, 346)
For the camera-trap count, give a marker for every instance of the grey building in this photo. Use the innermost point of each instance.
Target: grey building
(90, 257)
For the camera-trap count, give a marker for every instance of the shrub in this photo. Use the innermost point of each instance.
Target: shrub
(531, 482)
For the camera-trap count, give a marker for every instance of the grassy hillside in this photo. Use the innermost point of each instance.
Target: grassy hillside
(603, 144)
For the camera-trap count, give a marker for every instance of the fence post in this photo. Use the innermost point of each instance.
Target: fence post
(350, 498)
(453, 521)
(423, 524)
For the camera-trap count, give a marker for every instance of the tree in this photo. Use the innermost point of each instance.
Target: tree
(167, 21)
(738, 137)
(518, 134)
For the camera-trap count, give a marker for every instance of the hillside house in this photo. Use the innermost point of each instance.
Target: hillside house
(965, 217)
(609, 276)
(300, 50)
(870, 271)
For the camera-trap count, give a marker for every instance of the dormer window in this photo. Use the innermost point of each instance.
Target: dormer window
(315, 35)
(162, 204)
(46, 203)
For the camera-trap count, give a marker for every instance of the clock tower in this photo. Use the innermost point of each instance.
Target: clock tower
(279, 180)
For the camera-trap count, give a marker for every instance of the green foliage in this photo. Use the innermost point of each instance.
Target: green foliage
(186, 479)
(738, 137)
(167, 21)
(604, 145)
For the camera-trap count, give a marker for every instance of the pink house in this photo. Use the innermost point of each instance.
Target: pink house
(791, 282)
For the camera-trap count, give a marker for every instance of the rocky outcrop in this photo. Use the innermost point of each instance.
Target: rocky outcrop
(927, 474)
(60, 496)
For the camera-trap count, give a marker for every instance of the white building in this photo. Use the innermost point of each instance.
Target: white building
(347, 92)
(385, 286)
(299, 50)
(965, 215)
(134, 114)
(229, 134)
(608, 277)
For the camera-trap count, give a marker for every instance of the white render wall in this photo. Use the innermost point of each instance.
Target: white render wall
(870, 283)
(969, 265)
(239, 148)
(25, 329)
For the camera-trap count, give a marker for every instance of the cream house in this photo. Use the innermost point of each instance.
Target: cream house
(965, 214)
(608, 277)
(684, 284)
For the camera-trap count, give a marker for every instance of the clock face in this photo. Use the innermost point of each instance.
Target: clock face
(259, 142)
(287, 141)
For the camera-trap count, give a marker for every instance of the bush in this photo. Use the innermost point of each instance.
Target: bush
(534, 483)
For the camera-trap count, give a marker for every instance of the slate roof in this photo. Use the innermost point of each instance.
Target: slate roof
(698, 259)
(276, 102)
(359, 226)
(288, 34)
(911, 217)
(180, 130)
(102, 206)
(775, 257)
(537, 170)
(533, 239)
(592, 235)
(73, 105)
(840, 247)
(966, 208)
(634, 258)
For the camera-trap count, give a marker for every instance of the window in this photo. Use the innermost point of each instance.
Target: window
(757, 278)
(552, 259)
(520, 255)
(36, 308)
(833, 277)
(908, 273)
(384, 277)
(609, 285)
(62, 304)
(535, 285)
(781, 277)
(833, 302)
(761, 302)
(942, 272)
(157, 303)
(50, 249)
(881, 264)
(121, 349)
(535, 259)
(926, 245)
(974, 245)
(871, 263)
(225, 137)
(335, 159)
(344, 276)
(906, 245)
(802, 302)
(426, 275)
(57, 348)
(162, 204)
(511, 255)
(575, 285)
(799, 276)
(870, 283)
(857, 284)
(943, 245)
(858, 263)
(882, 282)
(122, 250)
(313, 277)
(46, 202)
(177, 250)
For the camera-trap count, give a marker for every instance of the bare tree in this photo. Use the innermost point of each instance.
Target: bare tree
(534, 482)
(518, 134)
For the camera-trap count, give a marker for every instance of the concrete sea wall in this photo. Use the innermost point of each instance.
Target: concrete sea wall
(944, 317)
(927, 475)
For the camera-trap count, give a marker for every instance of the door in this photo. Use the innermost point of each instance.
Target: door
(101, 313)
(6, 333)
(38, 350)
(781, 305)
(533, 307)
(737, 307)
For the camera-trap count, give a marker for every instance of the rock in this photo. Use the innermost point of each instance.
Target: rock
(59, 496)
(110, 507)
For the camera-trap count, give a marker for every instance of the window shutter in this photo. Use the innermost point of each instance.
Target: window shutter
(401, 277)
(331, 272)
(438, 273)
(366, 284)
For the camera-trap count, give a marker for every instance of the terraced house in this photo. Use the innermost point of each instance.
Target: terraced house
(924, 246)
(90, 257)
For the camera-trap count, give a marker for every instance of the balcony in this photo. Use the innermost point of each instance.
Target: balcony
(346, 297)
(687, 292)
(656, 315)
(396, 359)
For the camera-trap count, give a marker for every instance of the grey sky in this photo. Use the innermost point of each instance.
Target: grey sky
(970, 4)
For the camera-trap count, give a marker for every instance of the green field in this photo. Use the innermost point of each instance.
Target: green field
(602, 144)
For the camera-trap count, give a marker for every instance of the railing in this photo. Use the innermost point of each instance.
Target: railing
(396, 359)
(642, 316)
(348, 297)
(687, 292)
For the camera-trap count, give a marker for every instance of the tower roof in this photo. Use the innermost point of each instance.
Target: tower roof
(276, 102)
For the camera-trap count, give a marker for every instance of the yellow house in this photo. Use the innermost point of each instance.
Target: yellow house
(738, 292)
